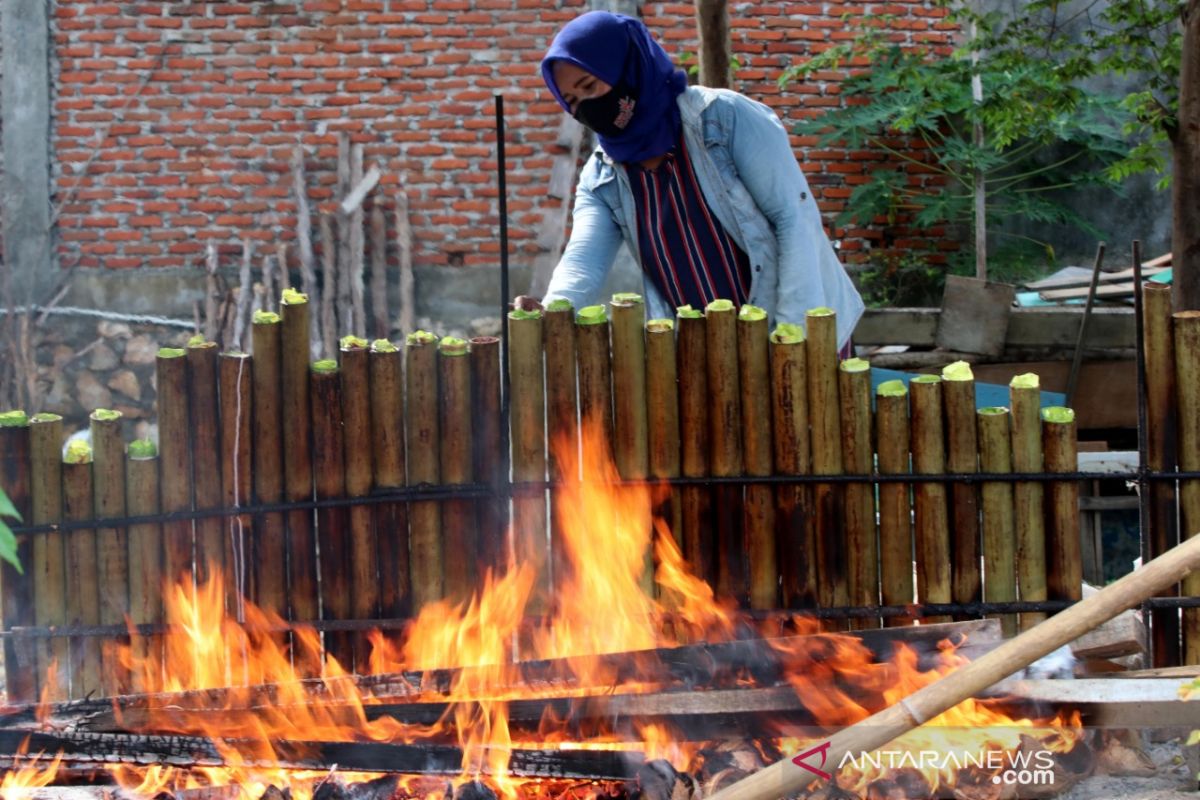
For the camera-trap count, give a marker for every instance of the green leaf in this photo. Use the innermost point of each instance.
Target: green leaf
(7, 509)
(8, 547)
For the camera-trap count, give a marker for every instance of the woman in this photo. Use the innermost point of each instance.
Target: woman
(701, 184)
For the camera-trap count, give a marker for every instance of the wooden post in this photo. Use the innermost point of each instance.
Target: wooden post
(236, 378)
(754, 381)
(962, 457)
(595, 374)
(48, 567)
(789, 415)
(999, 524)
(83, 590)
(459, 534)
(330, 282)
(175, 461)
(364, 554)
(699, 548)
(329, 474)
(528, 437)
(489, 465)
(630, 417)
(112, 545)
(826, 441)
(562, 409)
(1025, 400)
(387, 437)
(1187, 384)
(662, 408)
(1064, 561)
(380, 324)
(726, 455)
(206, 461)
(854, 393)
(297, 453)
(929, 499)
(895, 508)
(145, 560)
(422, 418)
(270, 532)
(16, 589)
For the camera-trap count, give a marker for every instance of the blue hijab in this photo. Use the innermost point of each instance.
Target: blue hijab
(612, 47)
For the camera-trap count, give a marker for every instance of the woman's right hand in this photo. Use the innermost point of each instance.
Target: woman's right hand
(524, 303)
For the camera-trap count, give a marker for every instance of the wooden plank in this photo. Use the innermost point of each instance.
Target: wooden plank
(1132, 703)
(974, 316)
(1107, 291)
(1084, 280)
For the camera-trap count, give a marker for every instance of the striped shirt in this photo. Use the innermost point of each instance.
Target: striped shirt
(684, 248)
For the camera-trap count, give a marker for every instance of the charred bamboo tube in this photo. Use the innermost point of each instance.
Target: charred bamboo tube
(112, 544)
(595, 375)
(488, 463)
(962, 457)
(297, 453)
(83, 589)
(175, 461)
(562, 426)
(329, 472)
(1161, 452)
(727, 458)
(631, 443)
(826, 441)
(699, 548)
(145, 559)
(387, 437)
(789, 416)
(1187, 384)
(48, 567)
(206, 461)
(662, 407)
(422, 418)
(1025, 400)
(16, 588)
(528, 437)
(364, 554)
(269, 551)
(929, 499)
(235, 373)
(999, 524)
(895, 507)
(854, 393)
(758, 520)
(1064, 562)
(458, 516)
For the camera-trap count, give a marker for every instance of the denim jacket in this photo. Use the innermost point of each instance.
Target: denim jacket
(749, 175)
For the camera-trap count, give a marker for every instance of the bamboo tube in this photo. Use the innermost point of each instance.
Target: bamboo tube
(825, 424)
(662, 407)
(528, 432)
(364, 552)
(595, 374)
(48, 567)
(854, 393)
(16, 588)
(758, 517)
(1187, 385)
(269, 549)
(562, 410)
(297, 453)
(726, 454)
(206, 461)
(962, 457)
(1025, 400)
(112, 544)
(631, 443)
(145, 561)
(387, 437)
(999, 531)
(422, 418)
(236, 377)
(699, 548)
(895, 509)
(786, 777)
(458, 516)
(1161, 452)
(175, 462)
(488, 462)
(789, 417)
(1064, 562)
(329, 474)
(83, 590)
(929, 499)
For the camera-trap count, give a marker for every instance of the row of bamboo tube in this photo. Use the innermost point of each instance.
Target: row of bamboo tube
(710, 394)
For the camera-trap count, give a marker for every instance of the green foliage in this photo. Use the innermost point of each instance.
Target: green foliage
(8, 542)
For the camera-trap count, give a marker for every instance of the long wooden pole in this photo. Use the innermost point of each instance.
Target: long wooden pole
(297, 453)
(112, 544)
(390, 465)
(999, 523)
(1025, 399)
(329, 472)
(16, 589)
(1187, 383)
(862, 549)
(48, 567)
(562, 408)
(727, 457)
(269, 551)
(692, 358)
(236, 377)
(789, 417)
(364, 552)
(206, 462)
(929, 498)
(895, 506)
(631, 443)
(145, 560)
(826, 439)
(488, 461)
(83, 590)
(459, 534)
(175, 461)
(758, 516)
(786, 777)
(962, 457)
(528, 437)
(422, 434)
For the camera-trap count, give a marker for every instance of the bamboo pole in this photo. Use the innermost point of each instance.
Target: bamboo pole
(1161, 452)
(929, 499)
(48, 566)
(297, 453)
(422, 418)
(459, 535)
(595, 374)
(1187, 385)
(329, 474)
(895, 508)
(630, 416)
(385, 365)
(112, 543)
(83, 590)
(236, 379)
(789, 416)
(145, 561)
(528, 437)
(488, 462)
(786, 777)
(962, 457)
(662, 407)
(562, 409)
(206, 461)
(854, 393)
(16, 588)
(364, 551)
(175, 461)
(758, 518)
(1064, 562)
(999, 524)
(699, 548)
(269, 551)
(1025, 400)
(727, 458)
(826, 441)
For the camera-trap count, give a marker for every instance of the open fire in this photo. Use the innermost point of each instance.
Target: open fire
(600, 673)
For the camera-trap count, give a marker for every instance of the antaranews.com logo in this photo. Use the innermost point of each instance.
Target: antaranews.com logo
(1010, 768)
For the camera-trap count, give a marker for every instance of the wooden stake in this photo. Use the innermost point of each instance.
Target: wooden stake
(387, 436)
(725, 438)
(488, 462)
(662, 407)
(145, 559)
(269, 549)
(83, 589)
(962, 457)
(175, 446)
(364, 551)
(459, 535)
(329, 473)
(297, 453)
(929, 499)
(380, 324)
(562, 410)
(754, 381)
(345, 234)
(329, 272)
(423, 435)
(789, 416)
(236, 378)
(16, 589)
(1187, 385)
(999, 525)
(308, 261)
(528, 436)
(406, 288)
(630, 421)
(112, 544)
(1064, 562)
(854, 393)
(48, 565)
(1025, 399)
(358, 316)
(895, 508)
(699, 547)
(825, 424)
(206, 462)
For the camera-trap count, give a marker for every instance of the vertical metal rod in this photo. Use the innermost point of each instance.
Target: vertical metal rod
(501, 173)
(1143, 483)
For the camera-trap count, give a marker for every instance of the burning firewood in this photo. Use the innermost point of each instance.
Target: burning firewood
(658, 780)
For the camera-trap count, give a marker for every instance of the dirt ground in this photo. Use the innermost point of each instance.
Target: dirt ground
(1173, 779)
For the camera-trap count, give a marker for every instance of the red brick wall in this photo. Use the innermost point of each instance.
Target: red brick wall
(174, 122)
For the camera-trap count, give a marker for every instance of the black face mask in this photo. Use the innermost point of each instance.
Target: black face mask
(611, 113)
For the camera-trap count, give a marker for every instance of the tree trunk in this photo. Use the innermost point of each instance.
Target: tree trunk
(1185, 244)
(712, 29)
